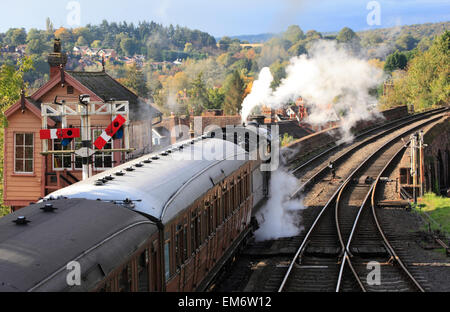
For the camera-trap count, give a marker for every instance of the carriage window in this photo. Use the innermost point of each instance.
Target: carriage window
(107, 287)
(217, 207)
(125, 279)
(179, 245)
(198, 230)
(153, 268)
(193, 231)
(238, 191)
(143, 263)
(167, 259)
(185, 240)
(206, 224)
(232, 195)
(211, 219)
(226, 203)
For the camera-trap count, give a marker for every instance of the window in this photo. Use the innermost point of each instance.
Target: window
(195, 230)
(78, 160)
(143, 263)
(103, 160)
(61, 161)
(23, 152)
(179, 245)
(156, 141)
(69, 90)
(125, 279)
(167, 246)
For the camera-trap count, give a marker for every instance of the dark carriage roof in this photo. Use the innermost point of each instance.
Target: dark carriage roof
(40, 250)
(108, 88)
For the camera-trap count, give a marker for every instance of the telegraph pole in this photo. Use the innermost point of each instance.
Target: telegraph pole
(422, 163)
(85, 136)
(414, 165)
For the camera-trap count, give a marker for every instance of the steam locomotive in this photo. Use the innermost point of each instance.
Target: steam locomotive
(167, 221)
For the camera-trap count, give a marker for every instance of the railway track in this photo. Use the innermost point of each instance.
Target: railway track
(323, 275)
(333, 255)
(309, 172)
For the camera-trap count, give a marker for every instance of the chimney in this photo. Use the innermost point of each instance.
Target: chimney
(57, 59)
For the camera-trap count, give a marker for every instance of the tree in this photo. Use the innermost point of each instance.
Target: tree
(81, 41)
(350, 39)
(346, 35)
(297, 49)
(12, 81)
(216, 98)
(129, 46)
(406, 42)
(235, 88)
(35, 46)
(198, 95)
(395, 61)
(225, 43)
(16, 36)
(294, 34)
(312, 34)
(188, 48)
(278, 70)
(97, 44)
(135, 81)
(426, 83)
(49, 25)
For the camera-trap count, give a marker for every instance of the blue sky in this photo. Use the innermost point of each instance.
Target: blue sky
(228, 17)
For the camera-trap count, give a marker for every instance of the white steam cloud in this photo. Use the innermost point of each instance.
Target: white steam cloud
(279, 217)
(334, 83)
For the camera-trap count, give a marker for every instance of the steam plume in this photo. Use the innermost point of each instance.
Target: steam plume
(279, 217)
(334, 83)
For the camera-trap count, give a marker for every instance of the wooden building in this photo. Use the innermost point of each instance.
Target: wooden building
(30, 175)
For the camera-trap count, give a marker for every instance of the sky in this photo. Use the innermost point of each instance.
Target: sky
(227, 17)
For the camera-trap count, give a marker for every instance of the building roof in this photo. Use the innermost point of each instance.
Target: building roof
(107, 88)
(292, 128)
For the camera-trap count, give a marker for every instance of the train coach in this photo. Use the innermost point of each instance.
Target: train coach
(163, 222)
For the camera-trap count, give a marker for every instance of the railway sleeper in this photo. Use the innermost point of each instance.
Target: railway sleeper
(323, 252)
(370, 251)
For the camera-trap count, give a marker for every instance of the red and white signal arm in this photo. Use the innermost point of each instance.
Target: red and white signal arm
(53, 134)
(106, 136)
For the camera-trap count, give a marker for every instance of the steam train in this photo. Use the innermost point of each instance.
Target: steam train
(167, 221)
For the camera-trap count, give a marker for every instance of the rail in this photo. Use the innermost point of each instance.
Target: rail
(336, 196)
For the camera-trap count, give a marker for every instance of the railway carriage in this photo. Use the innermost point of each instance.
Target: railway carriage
(163, 222)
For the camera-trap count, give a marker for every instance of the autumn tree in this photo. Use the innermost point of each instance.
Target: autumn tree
(293, 34)
(426, 82)
(198, 95)
(395, 61)
(234, 91)
(135, 81)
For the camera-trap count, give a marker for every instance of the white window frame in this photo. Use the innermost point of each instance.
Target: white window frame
(62, 155)
(80, 143)
(111, 142)
(24, 159)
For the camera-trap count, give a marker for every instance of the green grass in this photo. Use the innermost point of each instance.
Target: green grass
(438, 208)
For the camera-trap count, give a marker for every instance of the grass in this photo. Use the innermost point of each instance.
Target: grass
(438, 209)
